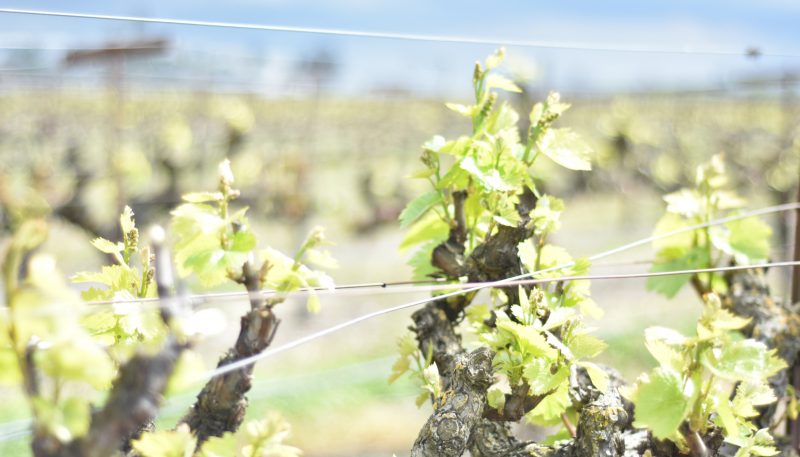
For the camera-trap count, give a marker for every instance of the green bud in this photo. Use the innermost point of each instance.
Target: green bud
(487, 107)
(478, 74)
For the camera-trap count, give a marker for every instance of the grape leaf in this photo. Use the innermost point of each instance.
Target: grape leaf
(679, 242)
(126, 220)
(743, 360)
(749, 238)
(428, 227)
(550, 409)
(418, 207)
(495, 81)
(219, 446)
(670, 285)
(597, 375)
(659, 403)
(540, 377)
(664, 345)
(109, 247)
(166, 443)
(203, 197)
(584, 345)
(565, 148)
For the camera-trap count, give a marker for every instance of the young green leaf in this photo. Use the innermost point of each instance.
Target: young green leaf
(495, 81)
(549, 410)
(108, 247)
(219, 446)
(167, 443)
(203, 197)
(660, 403)
(598, 376)
(749, 238)
(664, 345)
(670, 285)
(676, 244)
(496, 395)
(429, 227)
(265, 438)
(743, 360)
(418, 207)
(565, 148)
(540, 377)
(126, 220)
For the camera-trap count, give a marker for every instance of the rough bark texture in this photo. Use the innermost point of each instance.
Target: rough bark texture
(436, 335)
(604, 416)
(463, 421)
(605, 424)
(495, 439)
(458, 424)
(222, 403)
(517, 404)
(600, 427)
(134, 400)
(448, 430)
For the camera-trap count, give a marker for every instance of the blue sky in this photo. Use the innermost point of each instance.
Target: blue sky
(270, 58)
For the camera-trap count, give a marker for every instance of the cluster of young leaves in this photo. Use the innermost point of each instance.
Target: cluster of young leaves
(541, 339)
(538, 343)
(744, 241)
(693, 385)
(492, 165)
(41, 335)
(542, 259)
(258, 438)
(214, 243)
(124, 323)
(420, 369)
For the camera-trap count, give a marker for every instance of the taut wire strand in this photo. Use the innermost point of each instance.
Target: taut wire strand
(386, 285)
(473, 288)
(578, 46)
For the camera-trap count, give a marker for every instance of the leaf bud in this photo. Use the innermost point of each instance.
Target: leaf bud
(478, 73)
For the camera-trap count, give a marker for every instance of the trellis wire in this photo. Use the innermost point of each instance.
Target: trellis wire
(357, 289)
(501, 283)
(576, 46)
(383, 285)
(514, 280)
(386, 288)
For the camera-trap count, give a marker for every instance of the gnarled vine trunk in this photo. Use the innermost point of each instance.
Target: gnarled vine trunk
(462, 420)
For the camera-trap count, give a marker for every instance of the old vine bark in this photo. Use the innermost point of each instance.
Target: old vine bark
(462, 421)
(221, 404)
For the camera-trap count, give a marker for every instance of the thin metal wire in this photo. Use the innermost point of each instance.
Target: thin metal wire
(357, 289)
(337, 290)
(14, 435)
(394, 288)
(578, 46)
(523, 282)
(473, 288)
